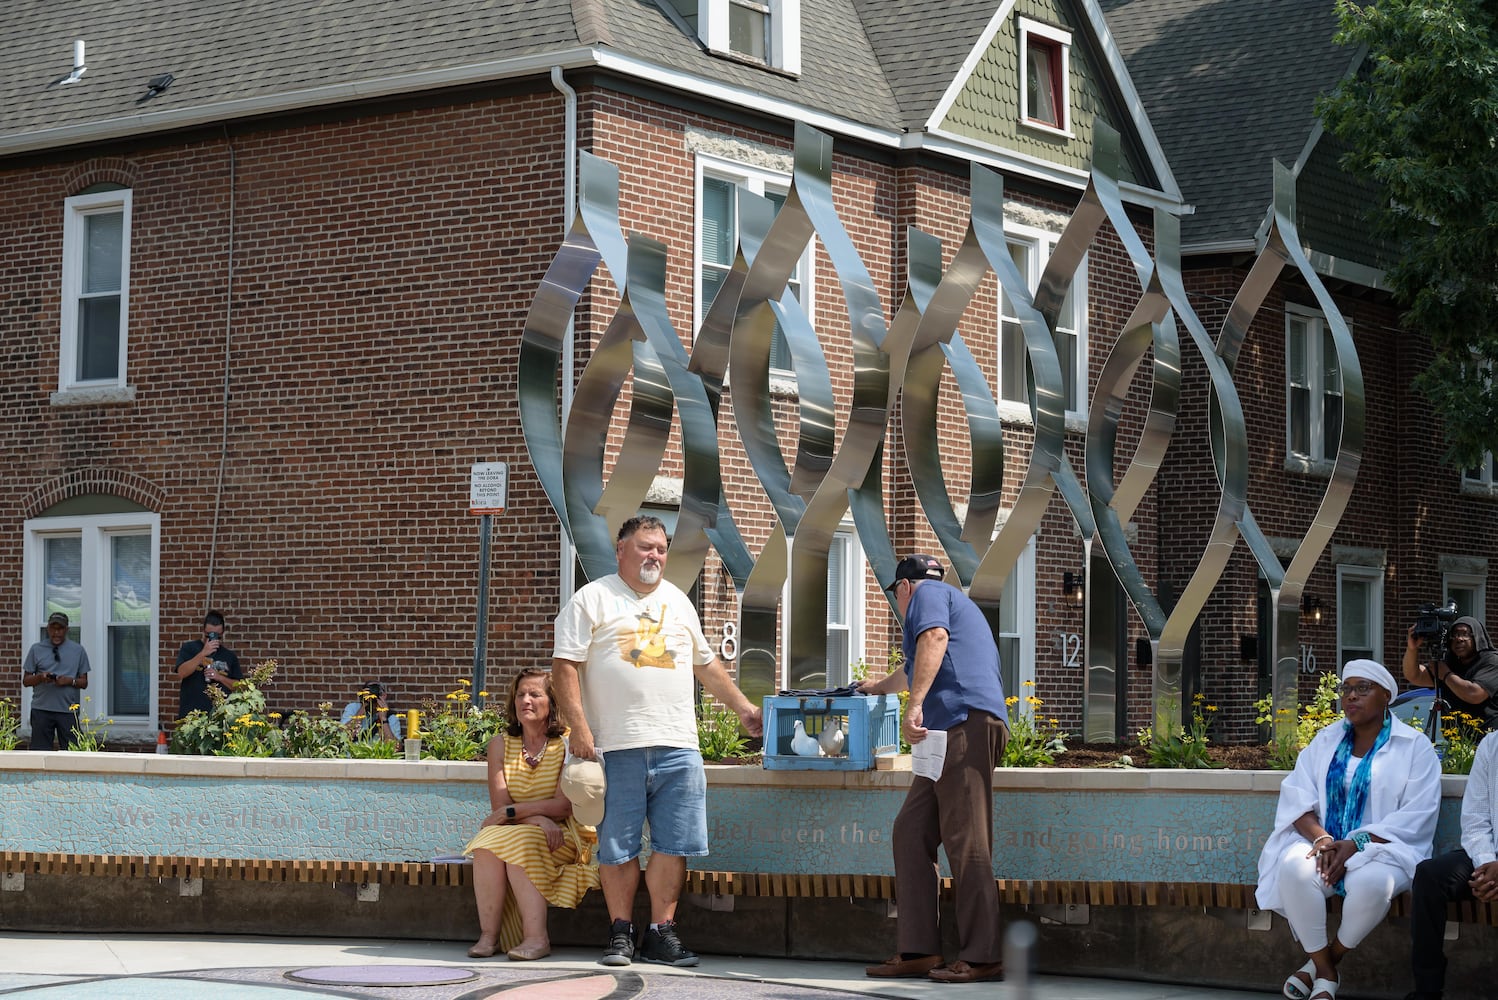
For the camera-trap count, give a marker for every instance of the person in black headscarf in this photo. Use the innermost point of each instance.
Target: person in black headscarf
(1466, 678)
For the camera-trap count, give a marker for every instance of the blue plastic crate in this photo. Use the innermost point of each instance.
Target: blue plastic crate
(871, 726)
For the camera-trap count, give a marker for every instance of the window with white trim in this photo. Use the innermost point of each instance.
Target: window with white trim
(101, 571)
(844, 605)
(1044, 70)
(1313, 388)
(1469, 591)
(1017, 630)
(1030, 249)
(1360, 614)
(718, 182)
(95, 288)
(762, 31)
(1481, 475)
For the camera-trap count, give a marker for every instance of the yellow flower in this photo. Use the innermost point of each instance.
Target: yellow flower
(1211, 708)
(1011, 700)
(72, 708)
(483, 694)
(465, 683)
(452, 696)
(275, 715)
(1029, 684)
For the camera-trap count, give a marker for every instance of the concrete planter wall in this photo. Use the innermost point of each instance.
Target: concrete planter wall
(1136, 825)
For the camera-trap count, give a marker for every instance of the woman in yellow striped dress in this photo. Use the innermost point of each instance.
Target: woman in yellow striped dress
(529, 851)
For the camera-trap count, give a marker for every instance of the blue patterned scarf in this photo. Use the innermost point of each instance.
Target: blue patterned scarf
(1345, 803)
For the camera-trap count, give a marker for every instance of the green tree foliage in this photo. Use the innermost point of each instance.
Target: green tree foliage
(1421, 118)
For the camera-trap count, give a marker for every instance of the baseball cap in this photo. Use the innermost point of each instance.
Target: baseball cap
(583, 784)
(917, 567)
(58, 618)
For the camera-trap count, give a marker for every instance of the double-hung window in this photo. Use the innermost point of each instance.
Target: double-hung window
(1479, 478)
(101, 571)
(1045, 66)
(1313, 389)
(1360, 621)
(763, 31)
(718, 183)
(1030, 249)
(844, 605)
(1469, 591)
(95, 288)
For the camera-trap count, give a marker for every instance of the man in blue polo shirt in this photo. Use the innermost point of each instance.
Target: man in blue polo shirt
(952, 673)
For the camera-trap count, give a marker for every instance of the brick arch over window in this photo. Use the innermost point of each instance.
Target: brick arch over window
(105, 170)
(86, 481)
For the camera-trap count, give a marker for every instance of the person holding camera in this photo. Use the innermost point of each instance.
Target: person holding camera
(206, 661)
(55, 669)
(375, 718)
(1466, 677)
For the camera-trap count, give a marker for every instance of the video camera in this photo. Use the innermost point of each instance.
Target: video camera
(1432, 622)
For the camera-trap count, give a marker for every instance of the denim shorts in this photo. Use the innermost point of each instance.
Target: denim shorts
(667, 786)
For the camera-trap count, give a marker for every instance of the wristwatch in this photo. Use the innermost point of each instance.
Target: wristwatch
(510, 814)
(1360, 839)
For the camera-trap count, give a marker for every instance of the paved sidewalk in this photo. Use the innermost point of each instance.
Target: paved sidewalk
(125, 967)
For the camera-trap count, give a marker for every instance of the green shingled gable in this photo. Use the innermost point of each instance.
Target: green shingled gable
(987, 107)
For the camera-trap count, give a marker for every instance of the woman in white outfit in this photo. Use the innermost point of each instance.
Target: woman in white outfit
(1355, 817)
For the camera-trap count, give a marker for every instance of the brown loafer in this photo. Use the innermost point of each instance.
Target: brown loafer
(963, 972)
(904, 968)
(520, 953)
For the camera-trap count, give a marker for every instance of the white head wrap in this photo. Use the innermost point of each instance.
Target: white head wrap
(1373, 671)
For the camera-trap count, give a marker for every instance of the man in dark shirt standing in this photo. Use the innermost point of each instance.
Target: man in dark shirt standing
(204, 661)
(1466, 678)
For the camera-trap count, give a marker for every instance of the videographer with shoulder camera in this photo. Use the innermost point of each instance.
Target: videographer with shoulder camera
(1466, 677)
(204, 661)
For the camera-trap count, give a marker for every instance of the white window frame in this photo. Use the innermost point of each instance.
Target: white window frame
(1060, 39)
(1474, 582)
(1022, 583)
(1480, 480)
(758, 181)
(852, 566)
(95, 531)
(1318, 458)
(1374, 577)
(1042, 243)
(783, 39)
(76, 210)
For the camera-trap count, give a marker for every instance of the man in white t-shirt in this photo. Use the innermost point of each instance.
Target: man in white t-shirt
(626, 650)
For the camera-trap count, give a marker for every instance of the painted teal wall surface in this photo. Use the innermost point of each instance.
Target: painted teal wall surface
(1091, 835)
(263, 818)
(764, 822)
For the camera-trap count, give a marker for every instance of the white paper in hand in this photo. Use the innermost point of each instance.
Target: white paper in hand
(928, 756)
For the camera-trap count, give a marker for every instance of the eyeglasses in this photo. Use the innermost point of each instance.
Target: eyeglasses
(1460, 634)
(1361, 690)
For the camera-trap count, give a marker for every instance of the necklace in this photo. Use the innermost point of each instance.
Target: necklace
(530, 759)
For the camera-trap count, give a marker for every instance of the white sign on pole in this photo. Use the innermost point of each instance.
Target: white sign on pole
(487, 488)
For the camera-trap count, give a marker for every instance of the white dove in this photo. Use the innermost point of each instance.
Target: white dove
(832, 738)
(802, 744)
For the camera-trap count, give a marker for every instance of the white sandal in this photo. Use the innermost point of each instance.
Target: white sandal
(1324, 988)
(1294, 989)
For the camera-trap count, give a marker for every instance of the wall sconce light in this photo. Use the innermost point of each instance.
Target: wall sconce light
(1074, 586)
(1310, 610)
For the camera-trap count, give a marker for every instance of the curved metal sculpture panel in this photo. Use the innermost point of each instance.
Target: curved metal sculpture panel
(835, 469)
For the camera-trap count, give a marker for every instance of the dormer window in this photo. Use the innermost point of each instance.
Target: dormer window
(1045, 56)
(762, 31)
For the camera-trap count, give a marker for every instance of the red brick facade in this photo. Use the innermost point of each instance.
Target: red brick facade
(362, 280)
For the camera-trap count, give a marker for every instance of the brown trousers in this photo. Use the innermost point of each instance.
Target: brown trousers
(955, 812)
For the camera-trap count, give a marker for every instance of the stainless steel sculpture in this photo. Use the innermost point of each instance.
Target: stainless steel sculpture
(829, 475)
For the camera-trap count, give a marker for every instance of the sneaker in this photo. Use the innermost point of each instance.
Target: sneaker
(621, 949)
(663, 947)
